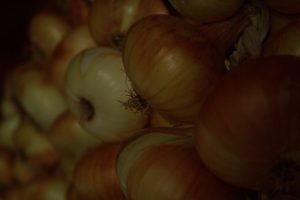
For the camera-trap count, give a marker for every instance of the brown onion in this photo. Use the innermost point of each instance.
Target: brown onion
(109, 20)
(248, 132)
(172, 65)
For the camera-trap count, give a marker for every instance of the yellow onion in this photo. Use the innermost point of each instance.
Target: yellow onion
(46, 29)
(173, 65)
(157, 165)
(207, 11)
(248, 132)
(109, 20)
(34, 145)
(37, 95)
(284, 42)
(100, 95)
(76, 40)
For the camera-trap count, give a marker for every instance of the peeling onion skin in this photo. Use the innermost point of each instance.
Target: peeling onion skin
(249, 127)
(166, 59)
(207, 11)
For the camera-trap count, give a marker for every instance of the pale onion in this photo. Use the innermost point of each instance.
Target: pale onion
(248, 132)
(172, 65)
(285, 42)
(100, 95)
(109, 20)
(285, 6)
(46, 29)
(207, 11)
(158, 165)
(76, 40)
(78, 11)
(34, 145)
(37, 95)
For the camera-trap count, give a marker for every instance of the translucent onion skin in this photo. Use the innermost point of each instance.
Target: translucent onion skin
(248, 132)
(285, 6)
(207, 11)
(285, 42)
(109, 20)
(171, 65)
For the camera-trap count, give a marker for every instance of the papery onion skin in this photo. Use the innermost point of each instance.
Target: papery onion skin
(284, 6)
(249, 126)
(207, 11)
(171, 65)
(285, 42)
(110, 20)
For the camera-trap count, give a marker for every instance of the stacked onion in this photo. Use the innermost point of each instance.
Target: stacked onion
(149, 100)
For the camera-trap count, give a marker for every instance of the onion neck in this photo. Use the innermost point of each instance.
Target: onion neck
(224, 34)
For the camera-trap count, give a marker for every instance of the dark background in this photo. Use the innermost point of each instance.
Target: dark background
(14, 19)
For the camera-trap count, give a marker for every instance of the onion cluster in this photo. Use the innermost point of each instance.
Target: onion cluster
(154, 100)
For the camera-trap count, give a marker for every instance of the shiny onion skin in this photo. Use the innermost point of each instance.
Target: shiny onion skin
(171, 65)
(285, 6)
(109, 20)
(285, 42)
(248, 133)
(207, 11)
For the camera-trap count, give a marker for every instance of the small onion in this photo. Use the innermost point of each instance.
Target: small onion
(109, 20)
(207, 11)
(46, 29)
(248, 132)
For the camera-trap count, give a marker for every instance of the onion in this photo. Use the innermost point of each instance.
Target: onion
(34, 145)
(172, 65)
(75, 41)
(155, 166)
(248, 132)
(285, 42)
(100, 96)
(285, 6)
(6, 163)
(109, 20)
(95, 174)
(207, 11)
(46, 29)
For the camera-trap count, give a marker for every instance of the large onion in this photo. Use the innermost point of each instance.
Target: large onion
(248, 131)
